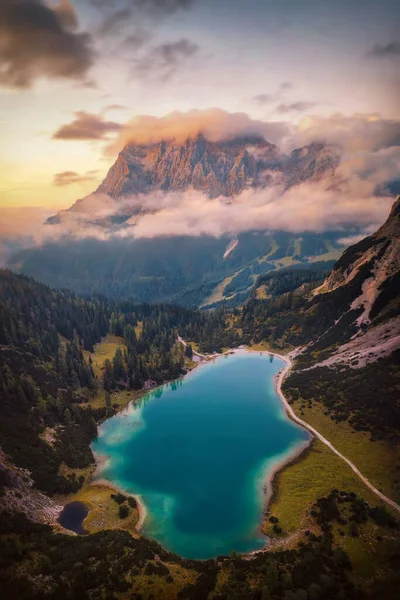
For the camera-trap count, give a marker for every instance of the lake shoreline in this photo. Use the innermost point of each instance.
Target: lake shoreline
(279, 466)
(142, 510)
(271, 479)
(266, 481)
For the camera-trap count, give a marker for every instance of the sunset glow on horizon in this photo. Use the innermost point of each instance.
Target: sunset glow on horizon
(278, 62)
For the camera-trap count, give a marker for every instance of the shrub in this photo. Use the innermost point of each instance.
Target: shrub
(274, 519)
(132, 502)
(118, 498)
(123, 511)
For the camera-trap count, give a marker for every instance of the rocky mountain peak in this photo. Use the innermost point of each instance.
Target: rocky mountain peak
(391, 227)
(216, 168)
(310, 163)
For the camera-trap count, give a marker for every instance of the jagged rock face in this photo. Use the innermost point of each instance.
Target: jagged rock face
(216, 168)
(310, 163)
(379, 255)
(222, 168)
(383, 244)
(20, 496)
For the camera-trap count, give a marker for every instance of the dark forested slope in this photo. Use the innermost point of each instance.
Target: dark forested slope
(46, 380)
(180, 269)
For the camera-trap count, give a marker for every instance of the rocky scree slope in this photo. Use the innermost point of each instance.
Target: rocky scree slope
(364, 286)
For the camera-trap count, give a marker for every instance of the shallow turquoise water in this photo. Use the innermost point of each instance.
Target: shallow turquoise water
(198, 451)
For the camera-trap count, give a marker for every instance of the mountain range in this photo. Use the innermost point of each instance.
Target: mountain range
(221, 168)
(191, 270)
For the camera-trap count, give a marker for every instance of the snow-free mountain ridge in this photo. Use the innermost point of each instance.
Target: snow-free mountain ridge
(221, 168)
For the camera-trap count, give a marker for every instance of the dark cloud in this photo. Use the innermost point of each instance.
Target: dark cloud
(67, 15)
(385, 50)
(38, 41)
(162, 7)
(264, 98)
(86, 126)
(294, 107)
(162, 61)
(102, 4)
(275, 96)
(71, 177)
(151, 7)
(136, 40)
(121, 14)
(115, 21)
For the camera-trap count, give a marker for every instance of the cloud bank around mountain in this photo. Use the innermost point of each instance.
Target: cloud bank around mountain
(348, 205)
(311, 207)
(360, 133)
(214, 123)
(357, 197)
(20, 227)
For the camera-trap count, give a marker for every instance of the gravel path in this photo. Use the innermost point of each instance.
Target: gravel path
(279, 380)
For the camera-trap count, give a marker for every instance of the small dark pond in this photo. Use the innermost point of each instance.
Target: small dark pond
(72, 516)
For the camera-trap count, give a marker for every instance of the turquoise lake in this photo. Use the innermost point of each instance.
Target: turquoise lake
(199, 451)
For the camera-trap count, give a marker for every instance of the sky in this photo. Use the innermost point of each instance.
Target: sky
(77, 75)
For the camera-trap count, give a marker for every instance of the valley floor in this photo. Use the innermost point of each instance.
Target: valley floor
(323, 466)
(358, 450)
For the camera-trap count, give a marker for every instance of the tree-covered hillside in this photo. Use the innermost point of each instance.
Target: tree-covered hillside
(47, 377)
(180, 269)
(37, 563)
(47, 419)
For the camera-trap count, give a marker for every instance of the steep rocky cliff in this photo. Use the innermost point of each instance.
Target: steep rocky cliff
(379, 256)
(223, 168)
(310, 163)
(180, 268)
(216, 168)
(362, 297)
